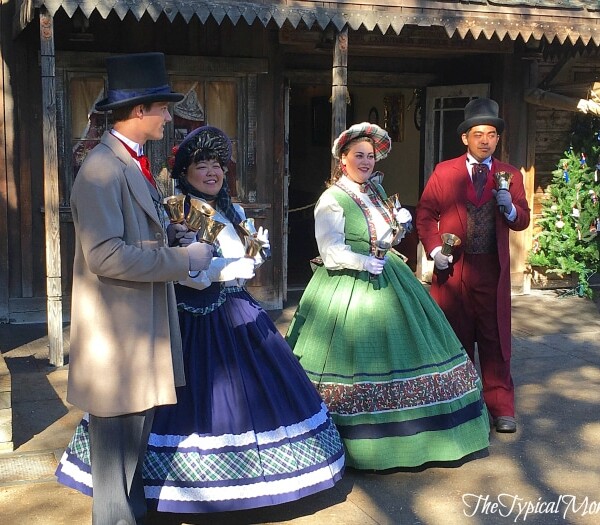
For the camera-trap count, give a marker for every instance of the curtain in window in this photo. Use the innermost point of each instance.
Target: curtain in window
(212, 103)
(87, 125)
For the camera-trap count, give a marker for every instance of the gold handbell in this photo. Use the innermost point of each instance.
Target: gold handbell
(248, 226)
(503, 182)
(174, 206)
(201, 206)
(199, 210)
(392, 203)
(398, 233)
(209, 229)
(200, 219)
(503, 179)
(379, 251)
(449, 242)
(252, 246)
(381, 248)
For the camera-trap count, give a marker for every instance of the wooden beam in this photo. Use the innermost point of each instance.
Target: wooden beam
(51, 192)
(7, 110)
(520, 248)
(547, 99)
(363, 78)
(339, 86)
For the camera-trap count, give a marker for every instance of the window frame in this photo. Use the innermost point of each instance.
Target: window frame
(244, 71)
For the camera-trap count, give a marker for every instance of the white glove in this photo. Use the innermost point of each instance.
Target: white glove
(402, 216)
(265, 252)
(373, 265)
(442, 261)
(200, 255)
(263, 236)
(229, 269)
(242, 268)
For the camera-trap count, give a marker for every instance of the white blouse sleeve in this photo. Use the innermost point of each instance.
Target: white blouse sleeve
(329, 233)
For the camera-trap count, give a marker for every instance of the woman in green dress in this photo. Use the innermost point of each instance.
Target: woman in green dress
(396, 380)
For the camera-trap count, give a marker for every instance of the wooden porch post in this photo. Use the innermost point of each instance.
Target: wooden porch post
(51, 194)
(7, 109)
(339, 87)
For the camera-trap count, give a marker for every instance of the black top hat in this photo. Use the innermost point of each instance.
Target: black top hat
(137, 79)
(481, 111)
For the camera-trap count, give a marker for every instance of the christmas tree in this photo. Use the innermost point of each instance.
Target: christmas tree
(567, 233)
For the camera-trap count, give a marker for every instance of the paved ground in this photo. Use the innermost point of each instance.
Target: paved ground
(547, 473)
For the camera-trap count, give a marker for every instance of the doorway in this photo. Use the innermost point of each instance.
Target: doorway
(309, 164)
(310, 161)
(444, 112)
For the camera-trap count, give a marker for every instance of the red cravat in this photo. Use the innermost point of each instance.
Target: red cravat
(480, 173)
(144, 163)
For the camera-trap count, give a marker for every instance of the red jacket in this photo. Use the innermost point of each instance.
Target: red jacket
(443, 208)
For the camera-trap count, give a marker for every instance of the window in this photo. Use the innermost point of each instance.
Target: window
(86, 124)
(220, 93)
(212, 103)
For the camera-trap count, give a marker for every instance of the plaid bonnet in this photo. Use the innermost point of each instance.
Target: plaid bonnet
(381, 140)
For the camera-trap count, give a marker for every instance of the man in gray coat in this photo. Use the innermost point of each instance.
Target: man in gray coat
(125, 352)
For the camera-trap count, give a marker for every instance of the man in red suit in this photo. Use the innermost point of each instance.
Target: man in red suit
(472, 284)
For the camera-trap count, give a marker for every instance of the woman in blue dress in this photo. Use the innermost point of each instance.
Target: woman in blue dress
(398, 383)
(249, 429)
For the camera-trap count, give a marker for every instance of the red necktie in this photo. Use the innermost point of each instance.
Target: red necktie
(480, 173)
(144, 164)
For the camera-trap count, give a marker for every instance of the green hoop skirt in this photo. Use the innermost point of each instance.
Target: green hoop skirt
(397, 382)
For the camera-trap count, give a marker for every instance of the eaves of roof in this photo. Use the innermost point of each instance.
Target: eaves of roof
(563, 20)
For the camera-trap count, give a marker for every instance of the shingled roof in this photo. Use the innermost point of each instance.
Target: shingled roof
(563, 20)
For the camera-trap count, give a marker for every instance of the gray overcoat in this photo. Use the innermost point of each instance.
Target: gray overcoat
(125, 344)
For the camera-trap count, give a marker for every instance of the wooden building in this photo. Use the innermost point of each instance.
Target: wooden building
(281, 78)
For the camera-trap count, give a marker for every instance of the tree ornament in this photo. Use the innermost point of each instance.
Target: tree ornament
(567, 238)
(566, 172)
